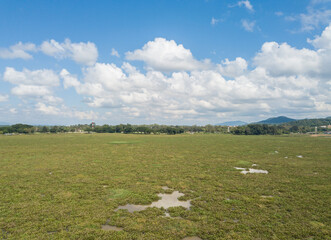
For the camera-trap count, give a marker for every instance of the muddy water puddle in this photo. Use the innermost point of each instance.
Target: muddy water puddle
(251, 170)
(166, 201)
(171, 200)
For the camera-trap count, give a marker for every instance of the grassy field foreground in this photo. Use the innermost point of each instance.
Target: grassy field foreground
(66, 186)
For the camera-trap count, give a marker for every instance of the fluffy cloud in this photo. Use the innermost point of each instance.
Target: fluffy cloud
(283, 59)
(82, 53)
(30, 91)
(63, 111)
(109, 75)
(200, 93)
(48, 110)
(68, 79)
(3, 98)
(42, 77)
(19, 50)
(323, 41)
(284, 80)
(233, 68)
(168, 56)
(37, 84)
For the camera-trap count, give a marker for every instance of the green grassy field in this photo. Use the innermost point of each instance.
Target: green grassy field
(67, 186)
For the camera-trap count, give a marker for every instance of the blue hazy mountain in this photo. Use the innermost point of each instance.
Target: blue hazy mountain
(277, 120)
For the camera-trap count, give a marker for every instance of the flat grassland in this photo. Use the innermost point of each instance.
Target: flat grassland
(66, 186)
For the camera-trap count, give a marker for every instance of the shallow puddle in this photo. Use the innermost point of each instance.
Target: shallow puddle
(171, 200)
(251, 170)
(111, 228)
(166, 201)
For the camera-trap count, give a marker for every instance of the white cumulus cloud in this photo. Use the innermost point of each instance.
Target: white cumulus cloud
(323, 41)
(164, 55)
(283, 59)
(64, 111)
(233, 68)
(19, 50)
(283, 79)
(82, 53)
(174, 85)
(35, 84)
(43, 77)
(48, 110)
(68, 79)
(30, 91)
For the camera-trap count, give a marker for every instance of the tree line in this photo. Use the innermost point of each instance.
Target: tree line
(121, 128)
(250, 129)
(259, 129)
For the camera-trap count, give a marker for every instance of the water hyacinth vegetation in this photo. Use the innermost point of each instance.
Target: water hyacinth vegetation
(68, 186)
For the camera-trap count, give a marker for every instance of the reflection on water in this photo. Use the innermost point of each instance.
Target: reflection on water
(166, 201)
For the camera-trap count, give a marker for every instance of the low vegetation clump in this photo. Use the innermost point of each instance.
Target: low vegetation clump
(68, 186)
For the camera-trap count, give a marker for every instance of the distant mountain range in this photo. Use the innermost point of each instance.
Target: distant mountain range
(276, 120)
(232, 123)
(4, 124)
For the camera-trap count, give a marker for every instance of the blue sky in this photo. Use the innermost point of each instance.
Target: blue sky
(171, 62)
